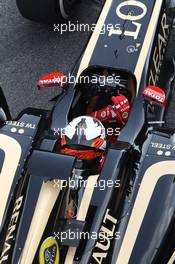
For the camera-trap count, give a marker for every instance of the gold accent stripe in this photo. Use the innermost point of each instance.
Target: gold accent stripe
(46, 201)
(172, 259)
(83, 212)
(12, 150)
(147, 42)
(94, 38)
(148, 184)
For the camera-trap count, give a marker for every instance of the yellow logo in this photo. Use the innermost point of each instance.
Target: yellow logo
(103, 114)
(49, 252)
(125, 115)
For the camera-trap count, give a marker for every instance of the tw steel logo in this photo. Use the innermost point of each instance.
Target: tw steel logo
(129, 16)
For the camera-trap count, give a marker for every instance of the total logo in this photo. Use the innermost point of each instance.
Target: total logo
(155, 93)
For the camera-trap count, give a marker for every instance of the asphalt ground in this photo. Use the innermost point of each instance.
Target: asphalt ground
(29, 50)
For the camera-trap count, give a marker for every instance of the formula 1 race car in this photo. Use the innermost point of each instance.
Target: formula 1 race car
(92, 181)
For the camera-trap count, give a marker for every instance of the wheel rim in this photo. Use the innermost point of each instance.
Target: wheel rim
(65, 6)
(62, 9)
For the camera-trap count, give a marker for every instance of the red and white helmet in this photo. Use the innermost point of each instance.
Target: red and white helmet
(84, 137)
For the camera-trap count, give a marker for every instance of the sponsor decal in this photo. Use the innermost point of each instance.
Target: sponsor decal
(123, 14)
(49, 251)
(21, 124)
(106, 235)
(159, 51)
(9, 240)
(51, 81)
(155, 93)
(158, 145)
(133, 48)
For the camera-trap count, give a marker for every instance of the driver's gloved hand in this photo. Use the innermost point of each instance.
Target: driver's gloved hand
(119, 111)
(105, 114)
(122, 108)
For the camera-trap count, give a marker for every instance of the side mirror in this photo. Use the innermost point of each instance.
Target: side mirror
(54, 80)
(154, 96)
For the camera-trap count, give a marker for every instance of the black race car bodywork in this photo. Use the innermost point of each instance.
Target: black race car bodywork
(135, 214)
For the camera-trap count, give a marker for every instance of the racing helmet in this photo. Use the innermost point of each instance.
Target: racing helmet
(84, 137)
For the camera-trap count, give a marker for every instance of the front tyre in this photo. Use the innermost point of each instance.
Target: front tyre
(46, 11)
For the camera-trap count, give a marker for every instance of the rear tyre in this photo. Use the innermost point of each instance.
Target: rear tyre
(46, 11)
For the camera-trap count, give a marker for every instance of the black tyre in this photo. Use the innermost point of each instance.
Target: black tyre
(46, 11)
